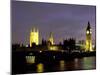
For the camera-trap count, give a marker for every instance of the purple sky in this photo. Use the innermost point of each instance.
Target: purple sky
(64, 20)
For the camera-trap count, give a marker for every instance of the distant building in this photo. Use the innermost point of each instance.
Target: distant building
(34, 37)
(51, 39)
(81, 44)
(88, 38)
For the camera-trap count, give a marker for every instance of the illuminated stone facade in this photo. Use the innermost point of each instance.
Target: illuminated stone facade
(34, 37)
(88, 38)
(51, 39)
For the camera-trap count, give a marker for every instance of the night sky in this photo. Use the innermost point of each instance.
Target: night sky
(64, 20)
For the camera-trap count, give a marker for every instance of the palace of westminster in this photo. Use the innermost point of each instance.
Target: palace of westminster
(34, 38)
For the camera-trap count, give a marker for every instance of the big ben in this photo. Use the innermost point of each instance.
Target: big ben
(88, 38)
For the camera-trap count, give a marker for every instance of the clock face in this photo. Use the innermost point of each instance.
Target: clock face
(87, 32)
(90, 31)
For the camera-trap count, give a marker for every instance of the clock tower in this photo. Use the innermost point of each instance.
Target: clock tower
(88, 38)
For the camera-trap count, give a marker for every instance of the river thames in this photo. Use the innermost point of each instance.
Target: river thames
(84, 63)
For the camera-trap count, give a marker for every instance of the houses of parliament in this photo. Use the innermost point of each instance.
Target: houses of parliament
(34, 38)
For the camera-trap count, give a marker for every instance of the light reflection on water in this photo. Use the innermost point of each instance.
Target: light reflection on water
(75, 64)
(40, 67)
(62, 65)
(88, 63)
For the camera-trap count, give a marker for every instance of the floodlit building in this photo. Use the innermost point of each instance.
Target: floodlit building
(51, 39)
(88, 38)
(34, 36)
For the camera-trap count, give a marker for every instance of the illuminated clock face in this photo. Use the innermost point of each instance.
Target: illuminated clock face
(90, 31)
(87, 32)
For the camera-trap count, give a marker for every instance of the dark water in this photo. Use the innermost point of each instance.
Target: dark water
(85, 63)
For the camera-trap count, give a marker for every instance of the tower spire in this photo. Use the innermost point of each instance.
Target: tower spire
(51, 39)
(88, 38)
(88, 27)
(34, 37)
